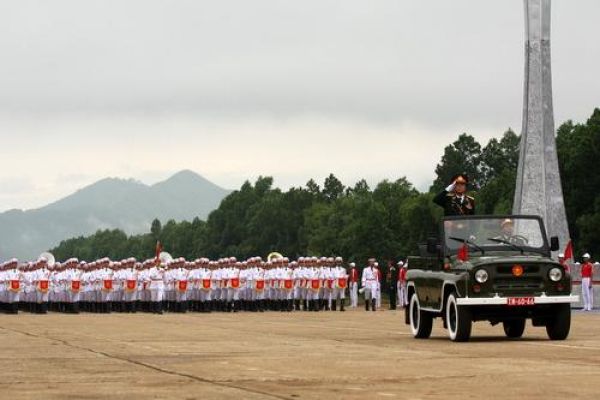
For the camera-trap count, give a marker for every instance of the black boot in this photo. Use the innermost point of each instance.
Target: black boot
(305, 305)
(373, 305)
(366, 305)
(342, 301)
(333, 305)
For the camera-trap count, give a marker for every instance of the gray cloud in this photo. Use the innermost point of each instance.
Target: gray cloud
(121, 76)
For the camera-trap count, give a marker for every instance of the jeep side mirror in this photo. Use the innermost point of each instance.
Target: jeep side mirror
(554, 243)
(432, 246)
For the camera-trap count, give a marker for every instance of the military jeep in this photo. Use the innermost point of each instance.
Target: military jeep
(489, 268)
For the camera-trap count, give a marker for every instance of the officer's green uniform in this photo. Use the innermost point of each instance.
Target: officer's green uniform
(455, 205)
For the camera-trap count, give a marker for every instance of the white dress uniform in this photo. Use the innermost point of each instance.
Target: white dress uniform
(297, 277)
(13, 278)
(73, 288)
(180, 285)
(105, 276)
(286, 280)
(339, 289)
(353, 286)
(314, 286)
(42, 285)
(157, 287)
(129, 276)
(370, 285)
(260, 288)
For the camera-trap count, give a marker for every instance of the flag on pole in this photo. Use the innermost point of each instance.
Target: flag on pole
(569, 251)
(159, 249)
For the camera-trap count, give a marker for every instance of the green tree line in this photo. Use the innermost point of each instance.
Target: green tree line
(387, 221)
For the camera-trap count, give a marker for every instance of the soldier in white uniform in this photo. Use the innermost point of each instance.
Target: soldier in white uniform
(105, 275)
(11, 282)
(260, 285)
(402, 292)
(40, 278)
(353, 285)
(369, 283)
(341, 283)
(378, 296)
(206, 286)
(314, 285)
(180, 277)
(287, 285)
(129, 277)
(27, 298)
(157, 287)
(297, 278)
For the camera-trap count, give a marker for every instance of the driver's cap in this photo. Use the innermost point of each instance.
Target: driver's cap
(507, 221)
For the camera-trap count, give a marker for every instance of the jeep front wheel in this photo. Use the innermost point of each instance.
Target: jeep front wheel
(458, 319)
(421, 322)
(559, 326)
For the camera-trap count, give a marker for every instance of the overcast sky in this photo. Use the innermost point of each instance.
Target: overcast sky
(292, 89)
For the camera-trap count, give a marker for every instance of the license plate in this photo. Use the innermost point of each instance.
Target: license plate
(520, 301)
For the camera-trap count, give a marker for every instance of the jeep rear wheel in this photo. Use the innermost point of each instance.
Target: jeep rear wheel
(514, 328)
(558, 327)
(458, 319)
(421, 322)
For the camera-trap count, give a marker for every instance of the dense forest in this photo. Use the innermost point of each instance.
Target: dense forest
(357, 222)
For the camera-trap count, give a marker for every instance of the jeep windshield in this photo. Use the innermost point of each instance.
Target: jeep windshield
(495, 234)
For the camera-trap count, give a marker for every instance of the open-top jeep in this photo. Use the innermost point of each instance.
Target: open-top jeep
(489, 268)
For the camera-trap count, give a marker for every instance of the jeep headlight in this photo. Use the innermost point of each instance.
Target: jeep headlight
(555, 274)
(481, 276)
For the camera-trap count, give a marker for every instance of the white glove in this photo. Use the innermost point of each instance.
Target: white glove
(450, 188)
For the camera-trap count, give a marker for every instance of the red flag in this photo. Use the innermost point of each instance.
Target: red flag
(463, 253)
(159, 249)
(569, 251)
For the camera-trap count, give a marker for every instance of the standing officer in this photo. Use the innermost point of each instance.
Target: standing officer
(454, 199)
(586, 283)
(402, 292)
(353, 285)
(392, 283)
(13, 275)
(369, 285)
(341, 283)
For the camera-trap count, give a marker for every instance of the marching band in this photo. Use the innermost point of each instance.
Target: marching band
(176, 285)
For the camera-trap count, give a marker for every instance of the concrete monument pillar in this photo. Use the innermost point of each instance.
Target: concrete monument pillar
(539, 189)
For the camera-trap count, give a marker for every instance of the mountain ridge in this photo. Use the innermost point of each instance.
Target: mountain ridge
(109, 203)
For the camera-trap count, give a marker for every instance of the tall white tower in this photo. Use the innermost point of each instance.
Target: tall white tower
(539, 189)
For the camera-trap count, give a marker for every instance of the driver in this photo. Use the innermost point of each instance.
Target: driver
(507, 233)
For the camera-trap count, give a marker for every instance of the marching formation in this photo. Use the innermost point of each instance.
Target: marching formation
(176, 285)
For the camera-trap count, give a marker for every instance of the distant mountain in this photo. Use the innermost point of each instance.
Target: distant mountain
(110, 203)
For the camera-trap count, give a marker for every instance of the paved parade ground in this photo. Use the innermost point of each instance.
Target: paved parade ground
(326, 355)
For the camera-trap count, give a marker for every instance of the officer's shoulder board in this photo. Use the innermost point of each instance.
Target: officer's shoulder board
(471, 198)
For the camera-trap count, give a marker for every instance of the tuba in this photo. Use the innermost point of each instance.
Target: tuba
(50, 260)
(273, 256)
(165, 258)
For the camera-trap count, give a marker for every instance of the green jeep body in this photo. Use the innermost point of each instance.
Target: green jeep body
(442, 284)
